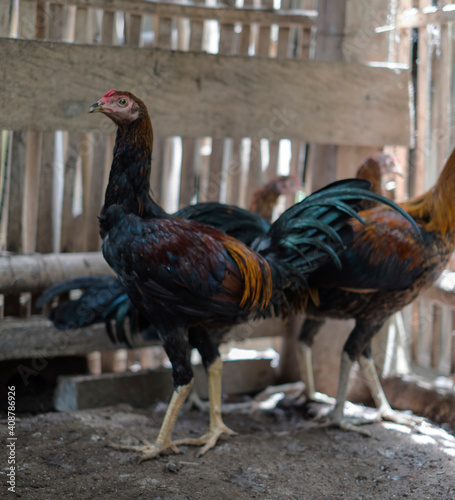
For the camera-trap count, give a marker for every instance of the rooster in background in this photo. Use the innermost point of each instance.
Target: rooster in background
(378, 169)
(265, 197)
(384, 268)
(194, 281)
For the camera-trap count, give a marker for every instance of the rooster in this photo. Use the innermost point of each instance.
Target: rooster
(265, 197)
(384, 268)
(378, 168)
(190, 279)
(179, 311)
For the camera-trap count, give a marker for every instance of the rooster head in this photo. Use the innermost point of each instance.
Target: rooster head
(120, 106)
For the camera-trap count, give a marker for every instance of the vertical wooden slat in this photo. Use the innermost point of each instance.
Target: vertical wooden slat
(435, 336)
(5, 17)
(16, 167)
(45, 229)
(68, 232)
(107, 28)
(215, 180)
(133, 30)
(191, 157)
(444, 365)
(82, 27)
(31, 193)
(234, 175)
(188, 172)
(417, 172)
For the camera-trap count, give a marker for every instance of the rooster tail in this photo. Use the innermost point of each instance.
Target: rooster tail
(312, 231)
(103, 301)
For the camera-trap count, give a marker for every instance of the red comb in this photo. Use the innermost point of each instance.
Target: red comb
(111, 92)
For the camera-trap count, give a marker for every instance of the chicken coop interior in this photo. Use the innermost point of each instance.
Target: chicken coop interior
(239, 93)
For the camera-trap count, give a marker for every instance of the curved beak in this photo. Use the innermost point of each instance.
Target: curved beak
(96, 108)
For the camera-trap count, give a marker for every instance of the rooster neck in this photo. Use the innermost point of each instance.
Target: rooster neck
(129, 179)
(435, 209)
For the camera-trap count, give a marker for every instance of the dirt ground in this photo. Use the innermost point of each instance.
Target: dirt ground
(278, 454)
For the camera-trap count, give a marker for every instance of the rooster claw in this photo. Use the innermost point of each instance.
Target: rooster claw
(209, 439)
(148, 450)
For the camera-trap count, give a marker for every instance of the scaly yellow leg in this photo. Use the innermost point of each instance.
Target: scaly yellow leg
(217, 426)
(385, 411)
(305, 358)
(163, 441)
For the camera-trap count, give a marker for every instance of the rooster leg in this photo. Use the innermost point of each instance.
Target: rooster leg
(309, 329)
(337, 417)
(385, 411)
(163, 441)
(217, 426)
(307, 374)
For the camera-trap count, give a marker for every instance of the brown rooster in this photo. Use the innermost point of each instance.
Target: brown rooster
(377, 169)
(192, 281)
(385, 267)
(265, 197)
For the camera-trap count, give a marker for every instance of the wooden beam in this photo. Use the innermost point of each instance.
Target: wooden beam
(33, 273)
(144, 388)
(415, 18)
(197, 12)
(36, 337)
(197, 95)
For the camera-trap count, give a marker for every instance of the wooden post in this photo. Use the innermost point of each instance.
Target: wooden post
(322, 159)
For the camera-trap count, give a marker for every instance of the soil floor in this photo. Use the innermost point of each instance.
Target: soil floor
(277, 454)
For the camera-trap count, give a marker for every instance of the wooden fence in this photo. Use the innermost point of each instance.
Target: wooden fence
(236, 95)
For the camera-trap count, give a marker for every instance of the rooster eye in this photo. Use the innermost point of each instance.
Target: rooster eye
(122, 102)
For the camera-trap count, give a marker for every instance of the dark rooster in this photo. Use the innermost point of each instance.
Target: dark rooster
(384, 268)
(190, 279)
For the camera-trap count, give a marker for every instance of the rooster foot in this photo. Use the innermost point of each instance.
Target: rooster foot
(352, 425)
(321, 398)
(209, 439)
(398, 417)
(149, 450)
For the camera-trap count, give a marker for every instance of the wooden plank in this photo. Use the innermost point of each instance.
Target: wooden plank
(45, 228)
(33, 273)
(188, 172)
(414, 18)
(417, 174)
(27, 18)
(71, 160)
(107, 28)
(139, 389)
(133, 31)
(194, 11)
(16, 163)
(144, 388)
(200, 94)
(31, 193)
(234, 175)
(5, 18)
(417, 394)
(37, 338)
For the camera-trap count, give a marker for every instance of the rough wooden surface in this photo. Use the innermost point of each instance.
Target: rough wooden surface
(193, 11)
(33, 273)
(414, 18)
(196, 95)
(37, 338)
(147, 387)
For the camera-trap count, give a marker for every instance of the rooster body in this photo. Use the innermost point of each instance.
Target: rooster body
(384, 268)
(192, 281)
